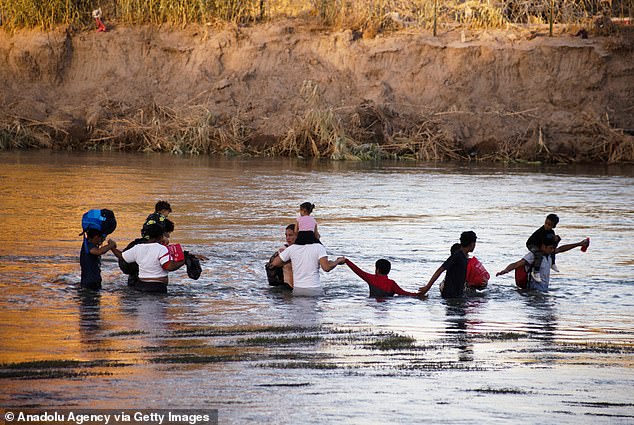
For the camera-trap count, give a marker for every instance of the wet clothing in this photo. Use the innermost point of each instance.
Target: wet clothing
(456, 268)
(90, 266)
(154, 218)
(380, 285)
(155, 287)
(534, 242)
(281, 277)
(544, 272)
(150, 257)
(305, 259)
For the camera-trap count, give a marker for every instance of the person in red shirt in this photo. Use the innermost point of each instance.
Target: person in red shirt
(379, 283)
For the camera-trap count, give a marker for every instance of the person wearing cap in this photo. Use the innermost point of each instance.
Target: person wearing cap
(547, 247)
(456, 268)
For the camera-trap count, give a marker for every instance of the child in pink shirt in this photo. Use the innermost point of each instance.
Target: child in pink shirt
(306, 225)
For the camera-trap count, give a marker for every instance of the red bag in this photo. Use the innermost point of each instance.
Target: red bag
(477, 276)
(176, 252)
(521, 277)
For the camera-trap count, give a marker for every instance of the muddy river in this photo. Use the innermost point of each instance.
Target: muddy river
(229, 342)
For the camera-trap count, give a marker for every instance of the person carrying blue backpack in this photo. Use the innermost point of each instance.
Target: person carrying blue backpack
(96, 226)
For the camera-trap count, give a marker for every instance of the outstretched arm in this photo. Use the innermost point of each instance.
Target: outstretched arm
(104, 248)
(512, 266)
(363, 275)
(327, 265)
(570, 246)
(424, 289)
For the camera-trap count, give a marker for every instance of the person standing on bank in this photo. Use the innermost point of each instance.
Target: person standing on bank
(456, 268)
(307, 260)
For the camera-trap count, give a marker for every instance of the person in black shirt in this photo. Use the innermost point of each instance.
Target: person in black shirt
(162, 210)
(456, 268)
(535, 240)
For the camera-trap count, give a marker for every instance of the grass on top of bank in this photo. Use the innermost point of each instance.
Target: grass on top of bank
(368, 17)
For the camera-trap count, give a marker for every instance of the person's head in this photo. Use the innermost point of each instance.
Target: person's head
(306, 208)
(290, 234)
(455, 247)
(468, 240)
(154, 232)
(94, 236)
(163, 207)
(168, 228)
(551, 221)
(383, 266)
(548, 244)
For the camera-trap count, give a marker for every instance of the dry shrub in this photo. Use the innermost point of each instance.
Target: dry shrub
(193, 130)
(607, 144)
(479, 15)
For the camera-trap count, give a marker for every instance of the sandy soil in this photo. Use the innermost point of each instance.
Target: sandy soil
(484, 92)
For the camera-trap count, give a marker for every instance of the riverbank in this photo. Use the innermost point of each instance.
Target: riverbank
(292, 88)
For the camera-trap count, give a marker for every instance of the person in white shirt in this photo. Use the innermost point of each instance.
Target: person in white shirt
(153, 260)
(306, 261)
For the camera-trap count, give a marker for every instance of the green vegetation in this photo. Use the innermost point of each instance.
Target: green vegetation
(369, 17)
(393, 341)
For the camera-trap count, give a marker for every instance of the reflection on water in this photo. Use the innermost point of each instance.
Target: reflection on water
(227, 341)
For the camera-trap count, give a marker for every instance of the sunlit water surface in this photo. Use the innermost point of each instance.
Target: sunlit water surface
(501, 356)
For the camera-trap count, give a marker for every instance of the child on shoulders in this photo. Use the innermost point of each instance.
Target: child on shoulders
(162, 210)
(306, 226)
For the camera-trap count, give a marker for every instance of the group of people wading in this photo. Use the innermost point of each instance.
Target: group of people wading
(146, 260)
(296, 265)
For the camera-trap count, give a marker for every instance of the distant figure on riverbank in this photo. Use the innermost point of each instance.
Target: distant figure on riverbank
(547, 247)
(282, 276)
(306, 226)
(162, 210)
(90, 258)
(379, 283)
(456, 268)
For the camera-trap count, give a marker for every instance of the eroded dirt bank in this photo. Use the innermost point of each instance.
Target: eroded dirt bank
(285, 88)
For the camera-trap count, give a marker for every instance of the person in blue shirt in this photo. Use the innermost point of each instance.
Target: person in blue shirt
(90, 258)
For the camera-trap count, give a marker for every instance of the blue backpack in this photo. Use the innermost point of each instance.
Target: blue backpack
(102, 220)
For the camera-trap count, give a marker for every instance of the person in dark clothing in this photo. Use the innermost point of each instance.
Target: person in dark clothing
(132, 269)
(534, 241)
(162, 210)
(379, 283)
(90, 258)
(456, 268)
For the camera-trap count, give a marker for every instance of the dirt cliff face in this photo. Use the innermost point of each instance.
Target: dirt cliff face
(492, 92)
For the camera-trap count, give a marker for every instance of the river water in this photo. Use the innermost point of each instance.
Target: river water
(229, 342)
